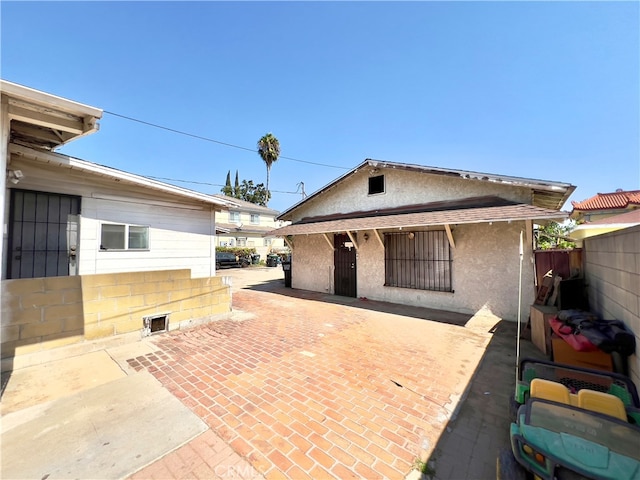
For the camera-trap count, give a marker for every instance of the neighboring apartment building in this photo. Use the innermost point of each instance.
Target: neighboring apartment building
(246, 226)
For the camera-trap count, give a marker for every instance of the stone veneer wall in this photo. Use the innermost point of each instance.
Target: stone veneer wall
(44, 313)
(612, 273)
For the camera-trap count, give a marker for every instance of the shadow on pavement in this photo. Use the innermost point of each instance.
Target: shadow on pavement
(277, 286)
(469, 445)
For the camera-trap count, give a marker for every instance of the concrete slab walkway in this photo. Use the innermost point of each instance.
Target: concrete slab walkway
(102, 432)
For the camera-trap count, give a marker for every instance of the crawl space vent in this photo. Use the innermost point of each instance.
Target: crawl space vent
(155, 324)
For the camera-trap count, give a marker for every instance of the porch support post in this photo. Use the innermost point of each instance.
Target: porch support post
(326, 237)
(379, 237)
(452, 243)
(355, 243)
(529, 231)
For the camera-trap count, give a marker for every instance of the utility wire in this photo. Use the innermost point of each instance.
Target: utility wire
(206, 139)
(209, 184)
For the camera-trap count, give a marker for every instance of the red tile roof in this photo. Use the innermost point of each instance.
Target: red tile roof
(609, 201)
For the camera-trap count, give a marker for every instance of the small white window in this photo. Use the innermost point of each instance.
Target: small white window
(242, 241)
(234, 216)
(267, 242)
(376, 185)
(124, 237)
(255, 218)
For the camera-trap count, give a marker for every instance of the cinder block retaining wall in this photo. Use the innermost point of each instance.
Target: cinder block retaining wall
(612, 272)
(45, 313)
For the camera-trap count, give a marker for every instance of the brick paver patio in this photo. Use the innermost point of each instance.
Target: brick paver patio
(310, 389)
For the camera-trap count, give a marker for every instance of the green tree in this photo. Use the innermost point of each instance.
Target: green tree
(257, 194)
(554, 235)
(227, 190)
(236, 188)
(269, 151)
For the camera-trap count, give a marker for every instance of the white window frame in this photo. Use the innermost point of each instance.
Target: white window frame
(241, 242)
(127, 237)
(234, 216)
(267, 242)
(255, 219)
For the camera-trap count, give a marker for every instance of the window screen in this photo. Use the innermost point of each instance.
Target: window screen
(112, 237)
(420, 260)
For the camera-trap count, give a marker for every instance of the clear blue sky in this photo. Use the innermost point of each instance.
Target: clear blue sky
(546, 90)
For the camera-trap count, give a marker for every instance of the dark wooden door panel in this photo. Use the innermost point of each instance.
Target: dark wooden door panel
(344, 259)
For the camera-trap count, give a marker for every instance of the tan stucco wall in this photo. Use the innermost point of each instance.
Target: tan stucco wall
(44, 313)
(486, 265)
(403, 188)
(486, 259)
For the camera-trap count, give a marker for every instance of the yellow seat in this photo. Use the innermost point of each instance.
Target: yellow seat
(548, 390)
(602, 403)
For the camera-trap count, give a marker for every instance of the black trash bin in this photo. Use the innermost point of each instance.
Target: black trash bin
(286, 266)
(255, 259)
(272, 260)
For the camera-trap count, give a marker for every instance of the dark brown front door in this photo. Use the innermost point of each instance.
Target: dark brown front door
(344, 259)
(43, 234)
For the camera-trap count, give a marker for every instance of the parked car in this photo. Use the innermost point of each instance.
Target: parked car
(228, 259)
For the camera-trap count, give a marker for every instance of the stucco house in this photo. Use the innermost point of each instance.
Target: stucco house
(246, 225)
(90, 251)
(423, 236)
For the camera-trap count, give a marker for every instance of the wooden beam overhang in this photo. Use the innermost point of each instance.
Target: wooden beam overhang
(289, 244)
(452, 243)
(326, 237)
(46, 119)
(379, 237)
(353, 240)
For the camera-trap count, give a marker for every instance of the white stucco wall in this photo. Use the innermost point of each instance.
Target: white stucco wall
(178, 238)
(403, 188)
(485, 271)
(181, 232)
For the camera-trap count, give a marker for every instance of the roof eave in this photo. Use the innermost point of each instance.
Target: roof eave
(64, 161)
(562, 190)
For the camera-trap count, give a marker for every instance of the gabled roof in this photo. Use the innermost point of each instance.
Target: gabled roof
(546, 194)
(245, 206)
(45, 121)
(609, 201)
(119, 177)
(471, 210)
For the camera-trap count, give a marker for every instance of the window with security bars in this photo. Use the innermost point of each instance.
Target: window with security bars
(420, 260)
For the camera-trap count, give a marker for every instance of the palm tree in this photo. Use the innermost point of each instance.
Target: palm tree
(269, 150)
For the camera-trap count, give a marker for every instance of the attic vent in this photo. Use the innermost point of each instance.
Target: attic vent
(376, 184)
(155, 324)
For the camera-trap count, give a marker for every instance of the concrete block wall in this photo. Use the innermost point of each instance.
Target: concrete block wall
(612, 274)
(39, 312)
(45, 313)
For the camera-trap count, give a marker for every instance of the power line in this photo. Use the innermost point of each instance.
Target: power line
(209, 184)
(206, 139)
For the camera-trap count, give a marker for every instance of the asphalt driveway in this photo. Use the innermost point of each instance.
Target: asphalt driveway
(306, 385)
